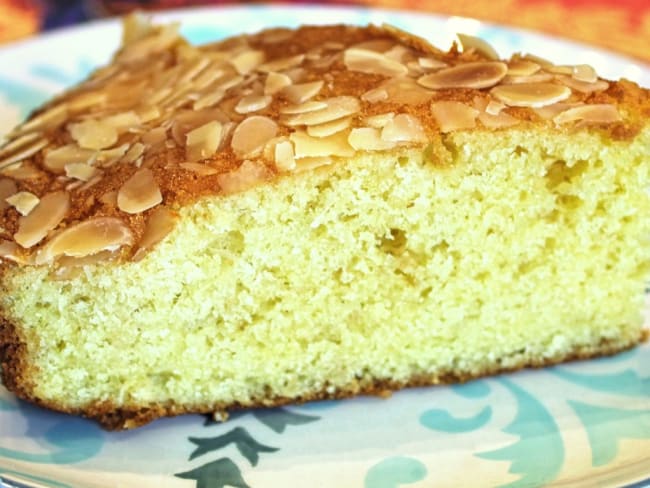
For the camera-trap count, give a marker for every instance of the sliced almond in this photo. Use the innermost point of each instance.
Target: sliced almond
(308, 146)
(7, 188)
(56, 159)
(596, 114)
(308, 164)
(583, 86)
(329, 128)
(522, 67)
(139, 193)
(23, 201)
(203, 141)
(406, 91)
(275, 82)
(531, 94)
(478, 45)
(548, 112)
(375, 95)
(134, 152)
(49, 119)
(302, 108)
(93, 134)
(20, 141)
(159, 224)
(452, 116)
(494, 108)
(480, 74)
(584, 72)
(199, 168)
(23, 153)
(284, 156)
(301, 92)
(246, 176)
(539, 77)
(9, 250)
(379, 121)
(429, 64)
(337, 107)
(49, 212)
(403, 128)
(247, 61)
(497, 121)
(282, 64)
(86, 238)
(252, 103)
(372, 62)
(368, 139)
(123, 121)
(250, 136)
(80, 171)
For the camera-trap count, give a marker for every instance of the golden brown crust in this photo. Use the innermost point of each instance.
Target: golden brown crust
(15, 376)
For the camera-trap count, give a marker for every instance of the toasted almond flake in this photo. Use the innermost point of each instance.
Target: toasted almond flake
(246, 176)
(452, 116)
(25, 171)
(329, 128)
(379, 121)
(403, 128)
(139, 193)
(51, 118)
(536, 59)
(56, 159)
(494, 108)
(368, 139)
(23, 153)
(428, 63)
(375, 95)
(154, 137)
(203, 141)
(109, 198)
(159, 224)
(194, 68)
(480, 74)
(275, 35)
(406, 91)
(308, 146)
(325, 62)
(135, 26)
(372, 62)
(284, 156)
(7, 188)
(85, 239)
(376, 45)
(596, 113)
(522, 67)
(478, 45)
(209, 100)
(531, 94)
(91, 182)
(122, 121)
(497, 121)
(282, 64)
(337, 108)
(80, 171)
(12, 145)
(160, 96)
(400, 53)
(93, 134)
(276, 82)
(10, 251)
(199, 168)
(134, 152)
(147, 114)
(49, 212)
(308, 164)
(253, 103)
(153, 43)
(188, 120)
(208, 76)
(550, 111)
(247, 61)
(23, 201)
(87, 100)
(538, 77)
(301, 92)
(559, 69)
(582, 86)
(304, 107)
(584, 72)
(109, 157)
(250, 136)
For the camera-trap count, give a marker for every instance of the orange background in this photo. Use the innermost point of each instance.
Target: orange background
(620, 25)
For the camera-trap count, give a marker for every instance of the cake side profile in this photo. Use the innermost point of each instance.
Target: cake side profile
(316, 213)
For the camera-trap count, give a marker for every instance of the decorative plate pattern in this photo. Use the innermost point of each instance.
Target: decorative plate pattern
(579, 424)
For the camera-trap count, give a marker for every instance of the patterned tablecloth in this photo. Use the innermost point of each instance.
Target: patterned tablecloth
(619, 25)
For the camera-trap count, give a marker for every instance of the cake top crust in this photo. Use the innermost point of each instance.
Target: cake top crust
(100, 172)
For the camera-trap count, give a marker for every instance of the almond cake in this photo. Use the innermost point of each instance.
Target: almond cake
(315, 213)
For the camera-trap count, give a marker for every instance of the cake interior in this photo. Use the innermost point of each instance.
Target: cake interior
(481, 252)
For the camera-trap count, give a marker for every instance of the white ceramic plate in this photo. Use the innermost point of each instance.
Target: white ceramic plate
(580, 424)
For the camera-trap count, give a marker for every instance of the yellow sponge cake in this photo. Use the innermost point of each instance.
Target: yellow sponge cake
(315, 213)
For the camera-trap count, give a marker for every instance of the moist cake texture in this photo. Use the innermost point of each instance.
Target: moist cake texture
(315, 213)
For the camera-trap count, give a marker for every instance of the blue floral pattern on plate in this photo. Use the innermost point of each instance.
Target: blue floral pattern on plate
(586, 422)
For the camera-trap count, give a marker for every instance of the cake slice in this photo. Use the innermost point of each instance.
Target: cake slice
(315, 213)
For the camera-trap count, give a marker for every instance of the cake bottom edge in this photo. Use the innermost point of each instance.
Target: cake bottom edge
(124, 417)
